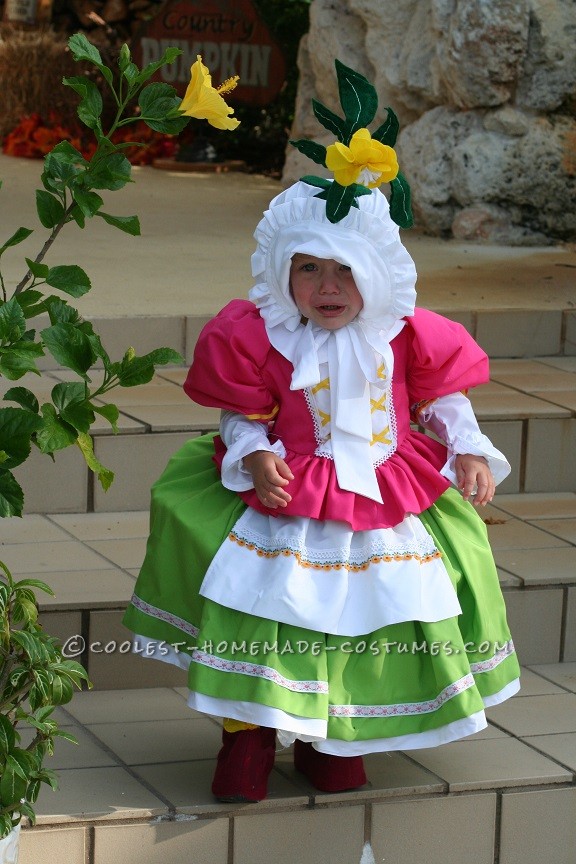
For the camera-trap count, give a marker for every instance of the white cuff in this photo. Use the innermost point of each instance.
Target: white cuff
(242, 436)
(452, 419)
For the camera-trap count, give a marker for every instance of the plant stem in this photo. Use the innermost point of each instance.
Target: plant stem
(55, 231)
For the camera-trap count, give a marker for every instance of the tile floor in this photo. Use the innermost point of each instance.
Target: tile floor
(140, 775)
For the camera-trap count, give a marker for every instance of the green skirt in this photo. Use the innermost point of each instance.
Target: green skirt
(406, 685)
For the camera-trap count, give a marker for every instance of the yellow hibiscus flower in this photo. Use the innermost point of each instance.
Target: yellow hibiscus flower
(365, 161)
(205, 102)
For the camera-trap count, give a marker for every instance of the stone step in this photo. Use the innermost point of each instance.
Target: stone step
(137, 790)
(528, 410)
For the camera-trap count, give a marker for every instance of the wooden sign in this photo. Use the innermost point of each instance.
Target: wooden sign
(229, 36)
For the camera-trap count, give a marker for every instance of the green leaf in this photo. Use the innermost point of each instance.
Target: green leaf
(62, 166)
(168, 57)
(62, 690)
(16, 429)
(400, 202)
(90, 107)
(7, 735)
(11, 495)
(329, 120)
(70, 279)
(16, 238)
(39, 270)
(61, 312)
(12, 321)
(23, 397)
(358, 98)
(34, 583)
(128, 224)
(124, 58)
(104, 475)
(31, 302)
(70, 347)
(109, 172)
(159, 108)
(387, 133)
(110, 413)
(82, 49)
(55, 434)
(163, 357)
(72, 401)
(49, 207)
(19, 359)
(12, 785)
(314, 151)
(89, 202)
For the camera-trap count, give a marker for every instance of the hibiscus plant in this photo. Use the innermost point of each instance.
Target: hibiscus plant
(34, 676)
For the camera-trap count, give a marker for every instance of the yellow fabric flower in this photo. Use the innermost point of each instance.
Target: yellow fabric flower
(204, 101)
(365, 161)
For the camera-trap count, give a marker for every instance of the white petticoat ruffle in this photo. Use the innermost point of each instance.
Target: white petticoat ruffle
(326, 577)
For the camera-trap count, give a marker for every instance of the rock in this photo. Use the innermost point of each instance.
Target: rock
(486, 95)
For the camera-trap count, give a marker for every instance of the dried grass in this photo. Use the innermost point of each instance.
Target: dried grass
(32, 65)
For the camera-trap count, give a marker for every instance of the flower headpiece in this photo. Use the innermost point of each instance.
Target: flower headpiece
(360, 161)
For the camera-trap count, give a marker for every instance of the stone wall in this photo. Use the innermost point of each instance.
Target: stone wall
(486, 94)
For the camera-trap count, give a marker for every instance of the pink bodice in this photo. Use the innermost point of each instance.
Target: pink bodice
(236, 368)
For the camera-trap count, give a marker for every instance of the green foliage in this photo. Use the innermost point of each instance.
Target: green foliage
(69, 196)
(34, 679)
(34, 675)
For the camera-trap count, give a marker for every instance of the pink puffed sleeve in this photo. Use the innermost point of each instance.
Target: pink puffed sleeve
(228, 360)
(444, 358)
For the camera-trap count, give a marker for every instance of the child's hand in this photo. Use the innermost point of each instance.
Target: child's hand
(269, 473)
(472, 472)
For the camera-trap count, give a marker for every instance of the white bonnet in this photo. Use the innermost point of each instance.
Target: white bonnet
(366, 240)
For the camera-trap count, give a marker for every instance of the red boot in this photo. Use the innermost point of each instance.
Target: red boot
(328, 773)
(244, 763)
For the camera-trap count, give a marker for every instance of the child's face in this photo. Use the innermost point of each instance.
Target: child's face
(324, 291)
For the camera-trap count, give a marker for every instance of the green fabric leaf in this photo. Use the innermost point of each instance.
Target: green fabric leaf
(11, 495)
(19, 235)
(312, 180)
(104, 475)
(314, 151)
(70, 347)
(49, 207)
(400, 203)
(358, 98)
(339, 199)
(387, 133)
(329, 120)
(70, 279)
(12, 321)
(128, 224)
(55, 434)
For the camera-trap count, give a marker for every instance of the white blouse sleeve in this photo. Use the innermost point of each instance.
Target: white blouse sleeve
(242, 436)
(452, 419)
